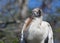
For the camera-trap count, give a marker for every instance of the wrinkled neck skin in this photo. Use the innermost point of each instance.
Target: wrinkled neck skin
(38, 19)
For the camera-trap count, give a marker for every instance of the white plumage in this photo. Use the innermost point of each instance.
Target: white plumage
(37, 30)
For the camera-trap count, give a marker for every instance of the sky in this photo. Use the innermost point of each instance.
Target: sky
(33, 4)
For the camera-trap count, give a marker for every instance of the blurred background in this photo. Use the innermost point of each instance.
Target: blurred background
(14, 12)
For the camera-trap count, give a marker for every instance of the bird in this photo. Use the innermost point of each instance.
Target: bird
(36, 30)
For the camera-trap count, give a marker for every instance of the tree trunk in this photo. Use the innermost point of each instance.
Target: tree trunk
(23, 8)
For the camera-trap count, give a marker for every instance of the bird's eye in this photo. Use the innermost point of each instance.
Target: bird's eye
(39, 12)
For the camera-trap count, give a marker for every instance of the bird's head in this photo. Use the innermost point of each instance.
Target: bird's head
(37, 12)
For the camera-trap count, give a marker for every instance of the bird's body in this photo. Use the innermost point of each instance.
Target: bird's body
(37, 31)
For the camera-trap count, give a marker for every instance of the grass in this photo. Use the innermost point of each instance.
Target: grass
(57, 30)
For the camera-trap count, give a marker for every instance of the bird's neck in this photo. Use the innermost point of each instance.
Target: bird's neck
(38, 19)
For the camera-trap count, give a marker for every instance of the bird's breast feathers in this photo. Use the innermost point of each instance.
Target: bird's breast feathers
(37, 30)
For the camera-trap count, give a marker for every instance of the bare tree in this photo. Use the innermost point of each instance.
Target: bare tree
(46, 3)
(23, 8)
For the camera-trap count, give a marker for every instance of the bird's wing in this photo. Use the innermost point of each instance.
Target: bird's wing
(50, 35)
(27, 22)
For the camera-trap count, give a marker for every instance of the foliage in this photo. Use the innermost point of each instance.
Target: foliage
(1, 41)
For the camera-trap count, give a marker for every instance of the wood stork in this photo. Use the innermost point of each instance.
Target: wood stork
(35, 30)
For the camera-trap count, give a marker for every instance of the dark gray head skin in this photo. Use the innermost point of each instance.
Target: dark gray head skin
(36, 12)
